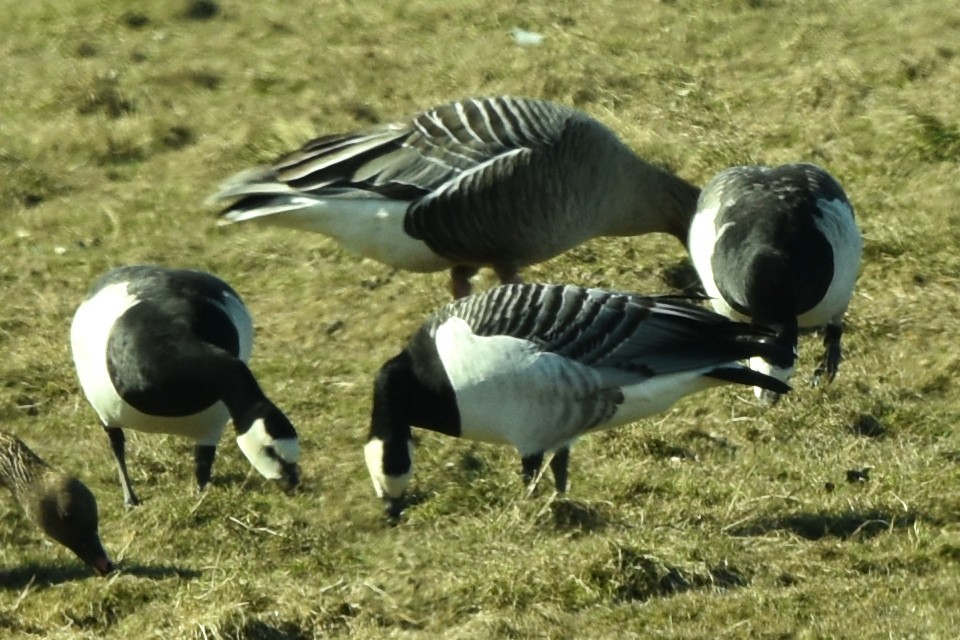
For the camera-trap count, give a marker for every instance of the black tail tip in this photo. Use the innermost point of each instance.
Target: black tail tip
(775, 387)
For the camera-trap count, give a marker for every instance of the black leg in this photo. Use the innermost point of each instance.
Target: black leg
(559, 464)
(830, 362)
(117, 442)
(393, 507)
(203, 455)
(508, 274)
(531, 467)
(460, 280)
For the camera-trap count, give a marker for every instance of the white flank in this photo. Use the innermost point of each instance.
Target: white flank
(838, 226)
(385, 486)
(254, 445)
(657, 394)
(89, 334)
(507, 391)
(370, 227)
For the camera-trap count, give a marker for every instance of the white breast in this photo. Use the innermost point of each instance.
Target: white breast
(840, 229)
(702, 240)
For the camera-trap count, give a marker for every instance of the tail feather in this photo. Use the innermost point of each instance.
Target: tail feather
(739, 374)
(238, 190)
(240, 184)
(732, 342)
(774, 350)
(262, 205)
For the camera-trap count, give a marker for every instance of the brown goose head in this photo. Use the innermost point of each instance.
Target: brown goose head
(65, 509)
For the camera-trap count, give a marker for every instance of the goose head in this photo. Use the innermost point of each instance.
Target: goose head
(65, 509)
(270, 443)
(391, 468)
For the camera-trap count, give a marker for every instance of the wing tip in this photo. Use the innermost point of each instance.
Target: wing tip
(740, 374)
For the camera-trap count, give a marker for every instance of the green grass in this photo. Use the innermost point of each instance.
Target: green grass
(717, 519)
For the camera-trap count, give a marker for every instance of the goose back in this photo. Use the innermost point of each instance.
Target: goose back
(503, 182)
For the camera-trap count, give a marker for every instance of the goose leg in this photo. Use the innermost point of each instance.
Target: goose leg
(531, 468)
(393, 507)
(460, 280)
(559, 464)
(117, 443)
(203, 455)
(508, 274)
(830, 361)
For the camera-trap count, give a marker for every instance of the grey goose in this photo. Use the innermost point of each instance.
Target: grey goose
(61, 505)
(536, 366)
(502, 182)
(165, 351)
(779, 247)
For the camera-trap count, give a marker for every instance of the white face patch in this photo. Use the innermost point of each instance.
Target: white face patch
(385, 486)
(255, 443)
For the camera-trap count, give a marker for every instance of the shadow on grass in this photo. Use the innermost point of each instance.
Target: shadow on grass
(158, 572)
(632, 574)
(816, 526)
(259, 630)
(575, 516)
(43, 576)
(409, 501)
(681, 276)
(48, 576)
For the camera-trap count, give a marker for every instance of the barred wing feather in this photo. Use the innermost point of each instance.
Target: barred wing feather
(605, 329)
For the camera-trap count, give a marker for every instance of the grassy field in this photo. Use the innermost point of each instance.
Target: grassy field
(717, 519)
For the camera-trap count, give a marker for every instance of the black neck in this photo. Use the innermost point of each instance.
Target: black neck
(243, 396)
(402, 399)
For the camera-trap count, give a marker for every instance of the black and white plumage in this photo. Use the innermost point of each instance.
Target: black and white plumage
(536, 366)
(165, 351)
(61, 505)
(779, 247)
(502, 182)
